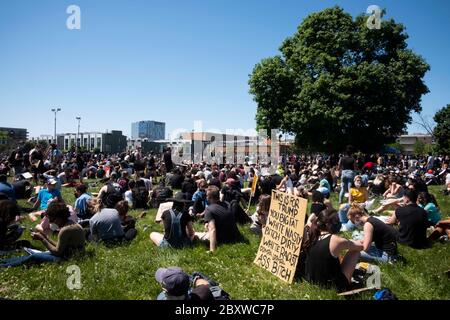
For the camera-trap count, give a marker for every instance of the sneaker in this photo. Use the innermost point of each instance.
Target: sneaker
(142, 215)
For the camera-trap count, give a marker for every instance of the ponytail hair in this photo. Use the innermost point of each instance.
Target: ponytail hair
(323, 223)
(95, 205)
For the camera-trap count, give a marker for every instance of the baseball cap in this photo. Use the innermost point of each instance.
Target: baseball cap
(52, 181)
(200, 174)
(174, 280)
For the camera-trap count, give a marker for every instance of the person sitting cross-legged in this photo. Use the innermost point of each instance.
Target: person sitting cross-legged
(220, 223)
(178, 227)
(413, 222)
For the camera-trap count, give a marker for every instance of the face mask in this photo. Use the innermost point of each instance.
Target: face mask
(358, 184)
(54, 227)
(336, 228)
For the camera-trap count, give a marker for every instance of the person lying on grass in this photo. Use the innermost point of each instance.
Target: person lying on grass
(441, 232)
(384, 237)
(71, 239)
(323, 248)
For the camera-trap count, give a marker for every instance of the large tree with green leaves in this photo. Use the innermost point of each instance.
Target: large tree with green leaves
(337, 82)
(442, 130)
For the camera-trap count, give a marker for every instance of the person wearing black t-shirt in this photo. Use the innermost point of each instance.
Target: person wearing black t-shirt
(267, 184)
(347, 167)
(375, 231)
(220, 224)
(188, 185)
(215, 181)
(168, 160)
(176, 180)
(413, 221)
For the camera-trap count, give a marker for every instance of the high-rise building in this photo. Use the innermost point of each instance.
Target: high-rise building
(151, 130)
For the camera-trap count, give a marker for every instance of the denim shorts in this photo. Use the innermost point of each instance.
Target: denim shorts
(164, 244)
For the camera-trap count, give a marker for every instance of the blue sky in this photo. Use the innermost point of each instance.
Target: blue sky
(172, 61)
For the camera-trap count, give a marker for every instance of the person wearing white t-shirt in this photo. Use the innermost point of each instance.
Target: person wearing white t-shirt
(447, 181)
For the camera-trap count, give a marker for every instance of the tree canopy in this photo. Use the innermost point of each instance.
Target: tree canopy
(337, 82)
(442, 130)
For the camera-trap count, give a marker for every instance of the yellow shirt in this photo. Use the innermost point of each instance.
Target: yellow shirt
(359, 195)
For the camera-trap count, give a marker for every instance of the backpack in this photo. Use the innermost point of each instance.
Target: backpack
(217, 292)
(163, 194)
(385, 294)
(140, 197)
(239, 214)
(112, 196)
(176, 239)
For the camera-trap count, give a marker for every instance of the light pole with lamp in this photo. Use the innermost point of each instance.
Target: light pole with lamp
(78, 134)
(56, 110)
(192, 147)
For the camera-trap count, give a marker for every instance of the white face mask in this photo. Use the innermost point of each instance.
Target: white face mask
(358, 184)
(54, 227)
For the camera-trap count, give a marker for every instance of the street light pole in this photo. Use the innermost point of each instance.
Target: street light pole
(192, 147)
(78, 133)
(56, 110)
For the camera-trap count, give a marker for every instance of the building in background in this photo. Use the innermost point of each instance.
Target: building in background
(10, 136)
(225, 148)
(151, 130)
(156, 147)
(43, 137)
(409, 141)
(110, 142)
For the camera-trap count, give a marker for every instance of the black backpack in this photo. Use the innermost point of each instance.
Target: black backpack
(140, 197)
(112, 196)
(217, 292)
(161, 195)
(239, 214)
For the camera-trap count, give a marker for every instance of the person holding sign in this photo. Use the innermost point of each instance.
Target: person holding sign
(323, 248)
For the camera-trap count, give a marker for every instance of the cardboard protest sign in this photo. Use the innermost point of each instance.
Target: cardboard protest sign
(283, 235)
(254, 184)
(163, 207)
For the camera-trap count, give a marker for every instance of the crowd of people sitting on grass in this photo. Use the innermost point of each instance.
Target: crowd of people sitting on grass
(218, 197)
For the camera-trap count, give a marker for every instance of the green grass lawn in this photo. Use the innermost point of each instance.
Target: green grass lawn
(127, 272)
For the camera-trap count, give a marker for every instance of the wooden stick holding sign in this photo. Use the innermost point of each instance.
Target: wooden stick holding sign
(254, 186)
(283, 235)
